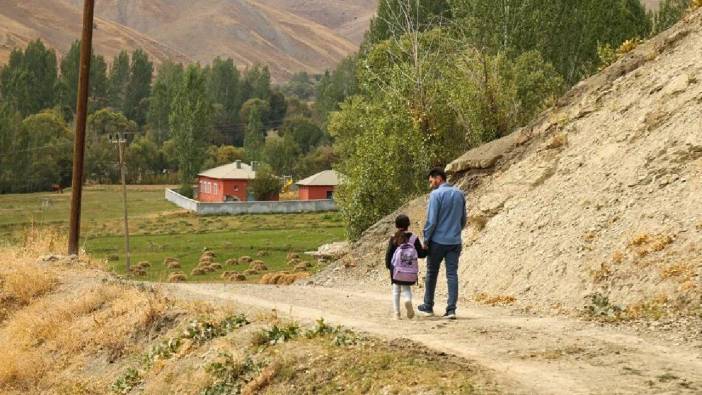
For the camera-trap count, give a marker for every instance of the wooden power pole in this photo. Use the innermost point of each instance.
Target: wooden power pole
(121, 140)
(86, 45)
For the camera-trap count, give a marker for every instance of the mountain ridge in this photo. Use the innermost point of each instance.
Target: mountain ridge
(287, 35)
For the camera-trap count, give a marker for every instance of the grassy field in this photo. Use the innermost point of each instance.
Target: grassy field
(160, 230)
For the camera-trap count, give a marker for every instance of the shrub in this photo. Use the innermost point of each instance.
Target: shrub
(127, 381)
(276, 334)
(600, 307)
(230, 375)
(266, 184)
(187, 191)
(202, 331)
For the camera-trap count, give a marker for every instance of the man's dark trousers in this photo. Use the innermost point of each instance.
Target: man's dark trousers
(449, 254)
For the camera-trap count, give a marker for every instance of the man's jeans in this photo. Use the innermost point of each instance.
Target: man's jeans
(449, 254)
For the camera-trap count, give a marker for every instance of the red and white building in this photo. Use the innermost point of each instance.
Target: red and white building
(228, 183)
(320, 186)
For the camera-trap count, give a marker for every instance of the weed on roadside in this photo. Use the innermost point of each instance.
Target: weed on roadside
(601, 308)
(202, 331)
(230, 375)
(127, 381)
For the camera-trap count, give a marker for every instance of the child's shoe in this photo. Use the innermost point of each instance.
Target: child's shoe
(410, 309)
(396, 316)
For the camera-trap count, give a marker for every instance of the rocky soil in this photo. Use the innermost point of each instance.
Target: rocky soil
(595, 208)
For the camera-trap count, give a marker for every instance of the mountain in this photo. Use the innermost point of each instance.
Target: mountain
(348, 18)
(287, 35)
(58, 24)
(597, 203)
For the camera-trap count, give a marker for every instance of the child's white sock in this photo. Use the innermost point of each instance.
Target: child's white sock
(396, 300)
(407, 296)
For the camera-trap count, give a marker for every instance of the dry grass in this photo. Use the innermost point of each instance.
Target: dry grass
(590, 236)
(494, 300)
(680, 271)
(645, 244)
(22, 282)
(259, 266)
(36, 241)
(177, 277)
(478, 221)
(283, 278)
(262, 380)
(617, 257)
(558, 140)
(628, 46)
(603, 273)
(653, 309)
(45, 335)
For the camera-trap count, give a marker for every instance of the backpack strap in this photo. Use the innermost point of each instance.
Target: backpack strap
(412, 240)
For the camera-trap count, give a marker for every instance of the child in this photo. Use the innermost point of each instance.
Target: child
(402, 279)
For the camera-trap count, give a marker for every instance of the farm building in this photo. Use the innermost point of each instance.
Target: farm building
(320, 186)
(228, 183)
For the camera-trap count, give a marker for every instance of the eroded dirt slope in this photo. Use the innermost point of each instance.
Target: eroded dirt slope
(600, 196)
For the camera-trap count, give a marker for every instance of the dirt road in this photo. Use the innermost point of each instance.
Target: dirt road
(527, 354)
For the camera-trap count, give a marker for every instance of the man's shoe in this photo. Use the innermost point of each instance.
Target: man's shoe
(449, 315)
(410, 310)
(425, 310)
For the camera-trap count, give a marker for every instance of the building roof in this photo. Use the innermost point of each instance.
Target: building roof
(324, 178)
(232, 171)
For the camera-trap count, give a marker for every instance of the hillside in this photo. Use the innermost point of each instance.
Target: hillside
(349, 18)
(596, 203)
(59, 24)
(288, 35)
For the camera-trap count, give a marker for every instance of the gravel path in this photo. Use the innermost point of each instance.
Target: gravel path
(528, 354)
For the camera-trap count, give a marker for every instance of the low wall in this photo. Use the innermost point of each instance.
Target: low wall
(181, 201)
(232, 208)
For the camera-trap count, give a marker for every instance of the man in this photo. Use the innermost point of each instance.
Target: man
(446, 218)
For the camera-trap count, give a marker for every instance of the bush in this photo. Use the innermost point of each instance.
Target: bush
(276, 334)
(266, 184)
(187, 191)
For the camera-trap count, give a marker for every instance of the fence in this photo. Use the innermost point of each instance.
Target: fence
(232, 208)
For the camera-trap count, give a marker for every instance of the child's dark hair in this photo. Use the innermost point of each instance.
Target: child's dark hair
(402, 223)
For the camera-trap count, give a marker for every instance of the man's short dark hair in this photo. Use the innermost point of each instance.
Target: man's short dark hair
(402, 222)
(438, 172)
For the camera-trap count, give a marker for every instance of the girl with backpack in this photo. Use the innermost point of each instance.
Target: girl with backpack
(401, 259)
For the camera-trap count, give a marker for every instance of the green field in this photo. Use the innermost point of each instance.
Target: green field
(159, 229)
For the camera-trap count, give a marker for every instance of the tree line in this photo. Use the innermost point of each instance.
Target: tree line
(434, 78)
(178, 119)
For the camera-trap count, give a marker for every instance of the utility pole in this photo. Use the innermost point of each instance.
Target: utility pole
(81, 115)
(121, 140)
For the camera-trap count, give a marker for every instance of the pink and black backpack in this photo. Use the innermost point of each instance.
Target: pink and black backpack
(405, 262)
